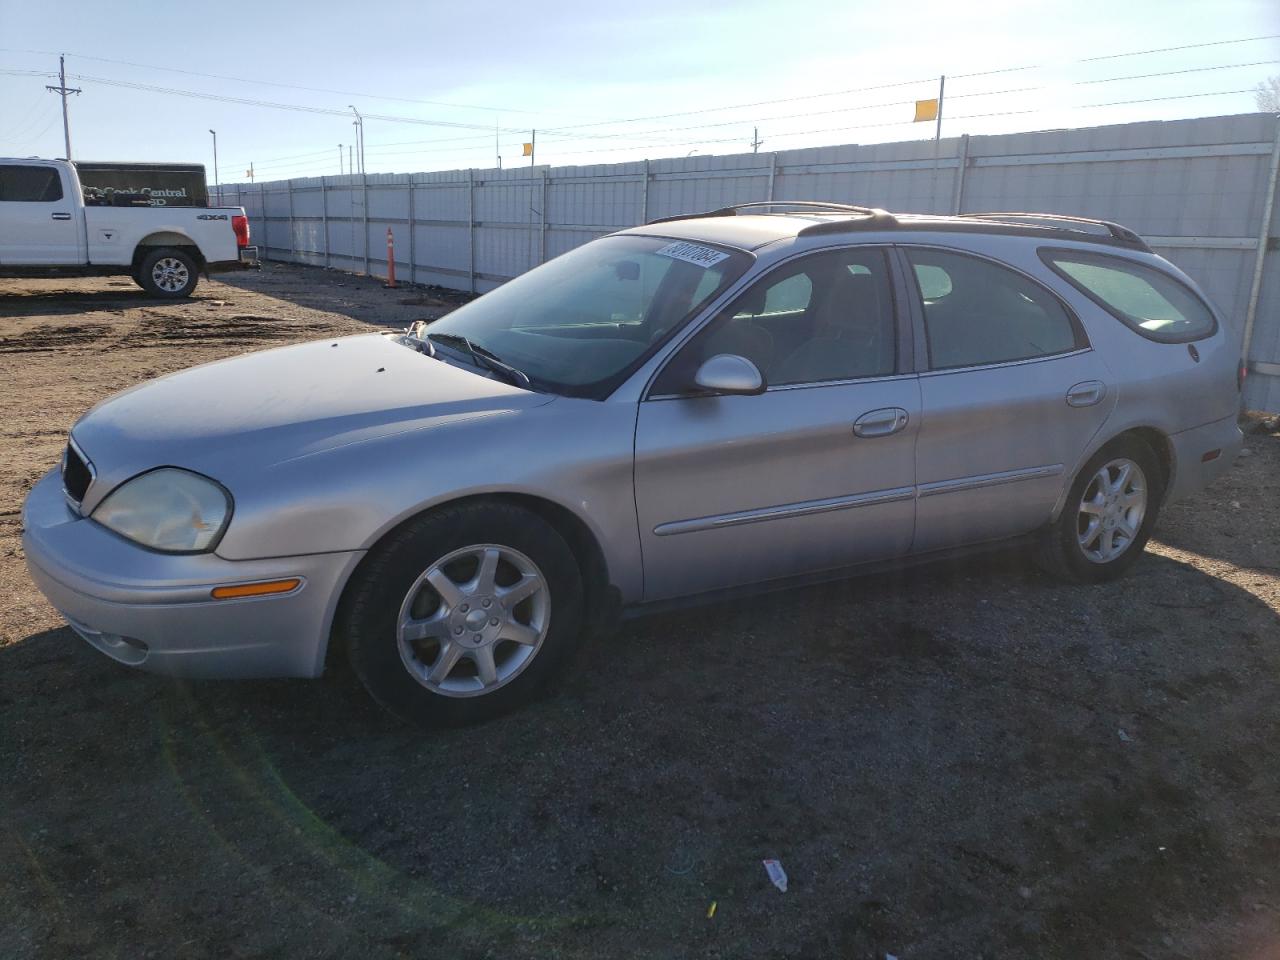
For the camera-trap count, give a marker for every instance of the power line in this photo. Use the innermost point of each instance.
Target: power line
(277, 83)
(898, 123)
(35, 137)
(576, 132)
(907, 123)
(29, 120)
(1134, 76)
(904, 83)
(302, 108)
(1117, 56)
(1185, 46)
(898, 103)
(1176, 73)
(666, 116)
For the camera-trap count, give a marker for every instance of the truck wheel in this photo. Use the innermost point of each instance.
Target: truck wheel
(168, 272)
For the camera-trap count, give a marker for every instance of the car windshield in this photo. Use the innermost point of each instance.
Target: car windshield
(581, 323)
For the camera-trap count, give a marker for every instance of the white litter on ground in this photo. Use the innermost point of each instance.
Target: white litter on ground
(776, 874)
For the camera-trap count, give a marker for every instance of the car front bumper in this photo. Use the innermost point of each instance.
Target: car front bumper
(155, 612)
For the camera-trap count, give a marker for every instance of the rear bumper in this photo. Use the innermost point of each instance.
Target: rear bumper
(248, 260)
(154, 611)
(1220, 441)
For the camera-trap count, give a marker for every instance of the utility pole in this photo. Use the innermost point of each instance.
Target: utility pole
(63, 89)
(339, 159)
(359, 136)
(351, 163)
(215, 159)
(497, 151)
(755, 140)
(250, 171)
(533, 146)
(942, 85)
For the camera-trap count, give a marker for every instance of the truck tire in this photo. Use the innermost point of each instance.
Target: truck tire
(168, 272)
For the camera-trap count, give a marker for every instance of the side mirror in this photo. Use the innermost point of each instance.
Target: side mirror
(728, 373)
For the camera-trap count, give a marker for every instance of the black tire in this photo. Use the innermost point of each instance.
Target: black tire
(1061, 553)
(168, 272)
(369, 614)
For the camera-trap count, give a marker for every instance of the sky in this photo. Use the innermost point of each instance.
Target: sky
(602, 83)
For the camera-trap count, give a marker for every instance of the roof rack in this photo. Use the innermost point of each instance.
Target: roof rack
(873, 218)
(877, 216)
(1117, 231)
(1032, 224)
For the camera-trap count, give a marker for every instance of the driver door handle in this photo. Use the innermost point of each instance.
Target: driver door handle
(60, 216)
(880, 423)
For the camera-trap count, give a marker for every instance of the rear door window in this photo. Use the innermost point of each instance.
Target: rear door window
(977, 312)
(30, 184)
(1145, 299)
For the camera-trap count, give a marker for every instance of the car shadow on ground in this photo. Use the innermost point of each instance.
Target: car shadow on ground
(116, 295)
(958, 759)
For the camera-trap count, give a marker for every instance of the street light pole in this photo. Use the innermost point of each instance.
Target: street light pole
(942, 87)
(215, 160)
(339, 159)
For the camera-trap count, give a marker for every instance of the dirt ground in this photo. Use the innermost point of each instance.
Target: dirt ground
(964, 760)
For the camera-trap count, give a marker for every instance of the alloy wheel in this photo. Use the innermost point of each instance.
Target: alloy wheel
(1111, 510)
(170, 274)
(473, 620)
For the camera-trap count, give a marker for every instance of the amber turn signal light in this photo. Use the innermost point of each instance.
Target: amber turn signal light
(261, 589)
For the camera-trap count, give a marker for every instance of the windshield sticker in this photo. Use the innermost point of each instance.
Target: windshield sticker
(693, 253)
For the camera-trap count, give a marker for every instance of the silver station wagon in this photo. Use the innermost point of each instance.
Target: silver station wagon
(730, 401)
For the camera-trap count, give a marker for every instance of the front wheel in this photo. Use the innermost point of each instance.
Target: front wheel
(1108, 516)
(167, 272)
(463, 614)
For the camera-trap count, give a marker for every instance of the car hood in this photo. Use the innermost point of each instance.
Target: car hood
(240, 416)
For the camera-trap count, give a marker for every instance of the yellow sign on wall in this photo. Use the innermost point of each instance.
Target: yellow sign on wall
(926, 110)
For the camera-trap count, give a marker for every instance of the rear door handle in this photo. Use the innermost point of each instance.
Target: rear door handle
(880, 423)
(1086, 393)
(60, 216)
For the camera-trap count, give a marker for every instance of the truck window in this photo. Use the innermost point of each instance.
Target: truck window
(29, 184)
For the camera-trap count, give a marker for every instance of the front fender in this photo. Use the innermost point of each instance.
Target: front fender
(577, 454)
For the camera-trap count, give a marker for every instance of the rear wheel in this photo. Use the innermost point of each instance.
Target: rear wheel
(1108, 516)
(463, 614)
(167, 272)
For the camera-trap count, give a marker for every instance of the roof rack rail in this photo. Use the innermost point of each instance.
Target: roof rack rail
(1117, 231)
(1018, 224)
(880, 217)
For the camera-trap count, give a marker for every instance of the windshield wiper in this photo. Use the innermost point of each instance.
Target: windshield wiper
(484, 357)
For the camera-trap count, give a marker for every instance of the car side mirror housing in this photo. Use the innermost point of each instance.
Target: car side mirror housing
(728, 373)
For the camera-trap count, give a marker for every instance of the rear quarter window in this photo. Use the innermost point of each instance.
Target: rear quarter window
(1147, 300)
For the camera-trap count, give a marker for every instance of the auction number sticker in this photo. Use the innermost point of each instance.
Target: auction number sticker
(693, 253)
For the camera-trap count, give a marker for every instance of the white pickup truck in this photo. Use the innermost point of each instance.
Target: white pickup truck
(46, 229)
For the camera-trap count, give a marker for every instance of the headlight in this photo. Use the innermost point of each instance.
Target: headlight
(171, 510)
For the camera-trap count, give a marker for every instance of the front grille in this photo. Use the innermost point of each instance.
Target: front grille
(76, 475)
